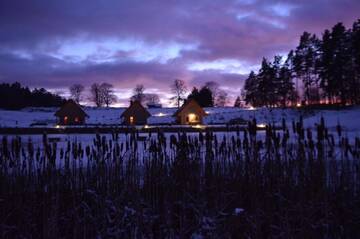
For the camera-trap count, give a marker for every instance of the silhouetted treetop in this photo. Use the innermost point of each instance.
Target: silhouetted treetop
(14, 96)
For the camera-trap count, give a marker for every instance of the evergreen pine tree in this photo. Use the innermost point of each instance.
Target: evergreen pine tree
(325, 67)
(237, 102)
(250, 90)
(206, 98)
(266, 83)
(355, 46)
(305, 64)
(286, 90)
(340, 74)
(203, 97)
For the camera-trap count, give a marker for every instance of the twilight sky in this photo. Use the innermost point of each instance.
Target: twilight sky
(52, 44)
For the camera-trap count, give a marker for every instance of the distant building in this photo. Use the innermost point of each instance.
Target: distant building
(135, 114)
(154, 105)
(190, 113)
(71, 113)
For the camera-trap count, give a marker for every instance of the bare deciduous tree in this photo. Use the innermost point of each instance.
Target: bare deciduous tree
(179, 89)
(221, 99)
(107, 94)
(151, 98)
(96, 95)
(76, 91)
(102, 94)
(138, 93)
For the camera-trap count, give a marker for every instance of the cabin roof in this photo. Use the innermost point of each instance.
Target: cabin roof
(70, 108)
(135, 106)
(187, 104)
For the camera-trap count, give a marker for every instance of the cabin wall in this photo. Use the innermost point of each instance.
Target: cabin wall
(182, 118)
(139, 114)
(71, 120)
(139, 119)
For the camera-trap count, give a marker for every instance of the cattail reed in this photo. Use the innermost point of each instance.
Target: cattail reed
(241, 184)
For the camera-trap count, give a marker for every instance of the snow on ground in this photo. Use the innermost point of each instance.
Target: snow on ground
(349, 118)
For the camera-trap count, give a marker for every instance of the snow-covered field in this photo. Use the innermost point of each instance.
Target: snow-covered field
(349, 118)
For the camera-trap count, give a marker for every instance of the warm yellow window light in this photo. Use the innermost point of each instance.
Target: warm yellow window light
(193, 118)
(131, 119)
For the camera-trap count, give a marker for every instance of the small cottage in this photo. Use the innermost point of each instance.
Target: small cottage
(135, 114)
(190, 113)
(71, 113)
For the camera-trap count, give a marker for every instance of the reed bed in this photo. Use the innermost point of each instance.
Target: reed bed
(292, 183)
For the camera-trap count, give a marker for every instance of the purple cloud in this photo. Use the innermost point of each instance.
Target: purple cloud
(55, 43)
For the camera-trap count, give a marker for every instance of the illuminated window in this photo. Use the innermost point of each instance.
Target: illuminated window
(192, 118)
(131, 119)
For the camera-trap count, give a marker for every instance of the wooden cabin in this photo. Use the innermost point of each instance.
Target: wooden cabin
(135, 114)
(71, 113)
(190, 113)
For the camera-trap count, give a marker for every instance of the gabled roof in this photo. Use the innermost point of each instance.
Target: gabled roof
(70, 108)
(135, 106)
(187, 104)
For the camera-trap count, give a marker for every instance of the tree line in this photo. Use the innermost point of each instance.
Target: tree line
(208, 95)
(325, 70)
(14, 97)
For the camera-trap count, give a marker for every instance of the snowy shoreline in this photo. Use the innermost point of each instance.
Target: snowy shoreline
(110, 117)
